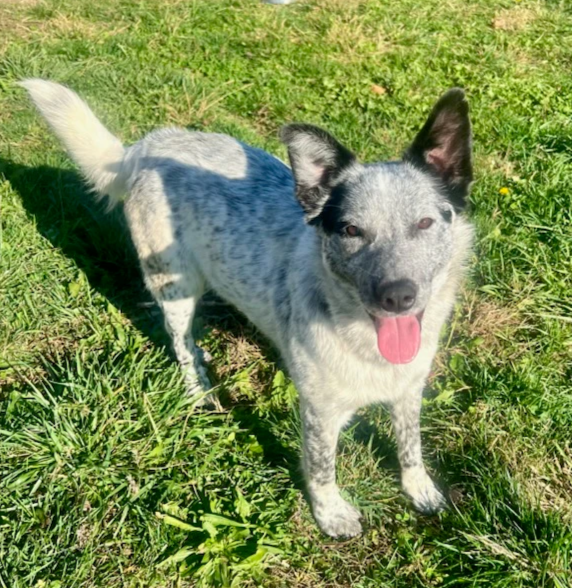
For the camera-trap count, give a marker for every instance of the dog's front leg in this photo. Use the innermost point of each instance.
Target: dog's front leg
(321, 429)
(405, 415)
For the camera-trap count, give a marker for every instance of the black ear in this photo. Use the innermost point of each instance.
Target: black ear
(444, 144)
(317, 161)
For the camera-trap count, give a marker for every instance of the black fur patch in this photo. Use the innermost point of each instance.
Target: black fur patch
(330, 218)
(447, 216)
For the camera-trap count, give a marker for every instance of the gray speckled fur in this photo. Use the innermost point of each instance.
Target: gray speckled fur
(207, 211)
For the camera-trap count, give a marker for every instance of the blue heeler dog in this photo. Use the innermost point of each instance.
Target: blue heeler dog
(349, 268)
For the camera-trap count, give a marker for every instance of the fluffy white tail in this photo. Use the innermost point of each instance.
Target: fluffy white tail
(95, 150)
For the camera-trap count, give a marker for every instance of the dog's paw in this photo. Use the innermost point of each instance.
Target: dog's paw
(426, 497)
(205, 400)
(199, 388)
(337, 518)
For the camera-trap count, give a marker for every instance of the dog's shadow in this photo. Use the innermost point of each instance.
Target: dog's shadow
(98, 242)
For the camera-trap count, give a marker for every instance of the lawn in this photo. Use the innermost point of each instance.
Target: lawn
(107, 476)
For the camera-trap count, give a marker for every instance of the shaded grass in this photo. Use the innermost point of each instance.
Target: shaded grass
(107, 476)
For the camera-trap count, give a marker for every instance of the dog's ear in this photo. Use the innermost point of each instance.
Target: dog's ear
(317, 161)
(444, 144)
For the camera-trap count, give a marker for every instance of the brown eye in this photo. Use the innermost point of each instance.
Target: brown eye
(352, 231)
(424, 223)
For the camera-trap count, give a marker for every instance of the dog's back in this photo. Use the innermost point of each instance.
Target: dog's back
(228, 207)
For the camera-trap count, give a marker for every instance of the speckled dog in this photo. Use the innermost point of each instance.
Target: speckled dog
(350, 269)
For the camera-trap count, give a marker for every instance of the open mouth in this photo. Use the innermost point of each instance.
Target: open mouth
(399, 337)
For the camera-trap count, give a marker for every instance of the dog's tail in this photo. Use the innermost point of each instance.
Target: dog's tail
(96, 151)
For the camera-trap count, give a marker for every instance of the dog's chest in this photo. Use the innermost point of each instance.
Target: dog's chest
(334, 374)
(358, 383)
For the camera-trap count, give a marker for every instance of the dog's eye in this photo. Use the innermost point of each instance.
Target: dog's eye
(425, 223)
(352, 231)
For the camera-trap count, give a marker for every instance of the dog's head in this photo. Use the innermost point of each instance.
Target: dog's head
(387, 228)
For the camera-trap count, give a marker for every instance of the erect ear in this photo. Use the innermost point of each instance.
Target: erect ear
(443, 146)
(317, 161)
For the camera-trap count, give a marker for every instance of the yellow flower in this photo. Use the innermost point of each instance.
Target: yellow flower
(504, 191)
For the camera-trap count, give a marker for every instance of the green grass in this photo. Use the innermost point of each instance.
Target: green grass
(107, 476)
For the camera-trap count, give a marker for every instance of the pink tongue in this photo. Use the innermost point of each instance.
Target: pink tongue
(398, 338)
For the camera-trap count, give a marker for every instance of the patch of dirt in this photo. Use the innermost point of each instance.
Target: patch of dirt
(497, 162)
(514, 19)
(69, 25)
(83, 535)
(527, 63)
(353, 40)
(15, 23)
(239, 352)
(21, 2)
(492, 322)
(495, 327)
(345, 4)
(545, 483)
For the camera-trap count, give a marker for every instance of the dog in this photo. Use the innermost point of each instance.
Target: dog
(350, 269)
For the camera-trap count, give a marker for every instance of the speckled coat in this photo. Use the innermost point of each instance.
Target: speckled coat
(305, 253)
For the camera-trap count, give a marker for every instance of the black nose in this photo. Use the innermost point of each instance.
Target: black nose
(398, 296)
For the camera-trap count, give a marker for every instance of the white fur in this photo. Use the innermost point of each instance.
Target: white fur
(89, 143)
(205, 210)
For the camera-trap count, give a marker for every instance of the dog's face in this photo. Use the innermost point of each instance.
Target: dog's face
(386, 229)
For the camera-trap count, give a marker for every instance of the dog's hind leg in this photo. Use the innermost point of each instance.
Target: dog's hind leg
(175, 281)
(178, 295)
(405, 416)
(334, 515)
(179, 313)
